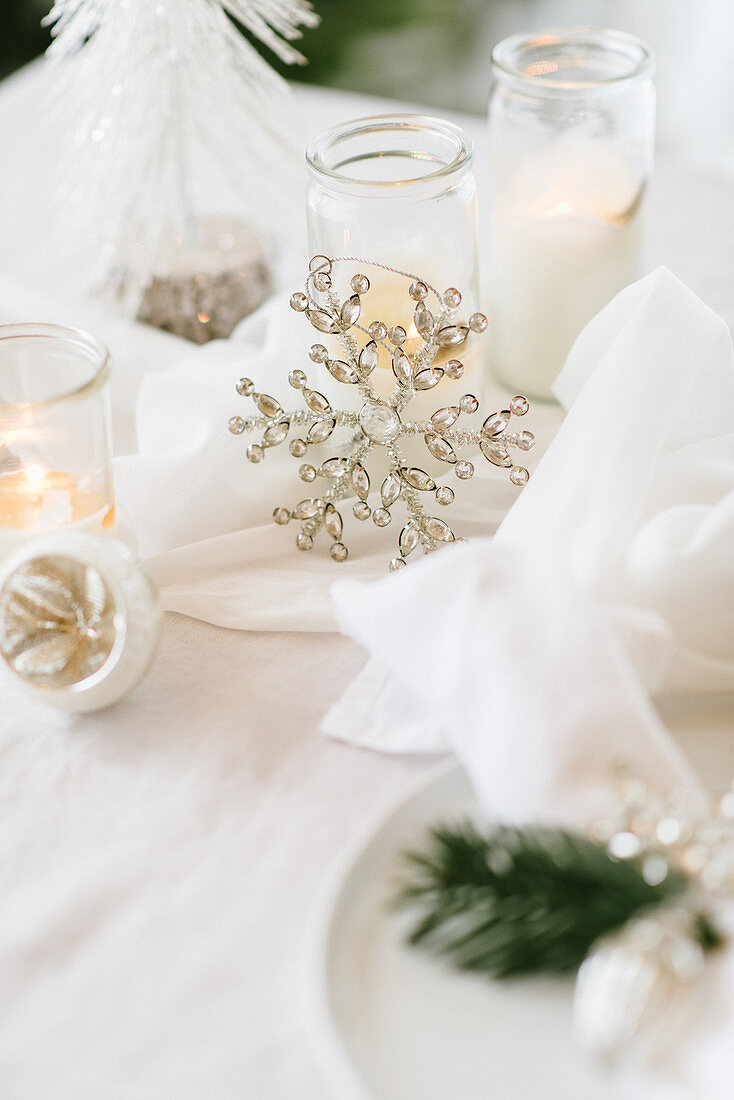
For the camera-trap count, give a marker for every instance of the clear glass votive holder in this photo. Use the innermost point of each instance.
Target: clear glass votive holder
(571, 146)
(55, 438)
(399, 190)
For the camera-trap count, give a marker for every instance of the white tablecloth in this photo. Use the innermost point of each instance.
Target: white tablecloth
(164, 865)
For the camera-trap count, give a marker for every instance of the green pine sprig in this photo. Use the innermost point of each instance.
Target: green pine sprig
(509, 901)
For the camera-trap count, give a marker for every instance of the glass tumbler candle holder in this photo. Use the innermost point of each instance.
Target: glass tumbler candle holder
(571, 144)
(55, 442)
(399, 190)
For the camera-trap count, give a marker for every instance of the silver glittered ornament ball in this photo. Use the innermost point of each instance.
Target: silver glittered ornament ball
(79, 620)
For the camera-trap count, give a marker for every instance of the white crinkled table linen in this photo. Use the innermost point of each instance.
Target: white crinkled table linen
(163, 864)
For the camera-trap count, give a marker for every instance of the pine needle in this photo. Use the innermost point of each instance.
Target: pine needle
(520, 901)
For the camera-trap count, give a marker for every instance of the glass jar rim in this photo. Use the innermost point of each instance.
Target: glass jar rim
(97, 353)
(505, 54)
(318, 149)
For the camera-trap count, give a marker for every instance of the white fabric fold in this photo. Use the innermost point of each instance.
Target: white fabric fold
(496, 652)
(636, 492)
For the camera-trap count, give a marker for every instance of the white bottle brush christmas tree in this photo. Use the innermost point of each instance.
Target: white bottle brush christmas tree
(162, 99)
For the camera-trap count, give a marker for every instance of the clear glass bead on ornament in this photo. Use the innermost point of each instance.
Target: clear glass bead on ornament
(297, 379)
(519, 405)
(281, 516)
(397, 563)
(321, 430)
(299, 301)
(478, 322)
(304, 541)
(444, 418)
(418, 479)
(437, 529)
(333, 522)
(276, 434)
(495, 424)
(245, 387)
(236, 425)
(452, 297)
(409, 538)
(334, 467)
(362, 510)
(390, 490)
(469, 403)
(454, 369)
(306, 472)
(338, 551)
(318, 353)
(444, 495)
(297, 447)
(379, 422)
(317, 402)
(381, 517)
(368, 358)
(440, 448)
(397, 335)
(360, 284)
(423, 320)
(418, 291)
(360, 481)
(378, 331)
(519, 475)
(255, 453)
(322, 281)
(464, 469)
(267, 405)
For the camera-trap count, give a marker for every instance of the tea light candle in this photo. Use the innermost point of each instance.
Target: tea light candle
(399, 190)
(34, 500)
(55, 453)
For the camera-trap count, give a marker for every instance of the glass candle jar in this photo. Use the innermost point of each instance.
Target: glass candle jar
(55, 450)
(571, 142)
(399, 190)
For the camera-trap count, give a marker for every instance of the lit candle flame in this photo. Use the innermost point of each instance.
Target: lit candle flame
(35, 473)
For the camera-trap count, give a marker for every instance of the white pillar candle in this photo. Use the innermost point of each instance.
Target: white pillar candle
(564, 240)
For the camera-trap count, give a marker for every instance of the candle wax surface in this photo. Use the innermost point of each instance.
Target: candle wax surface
(34, 500)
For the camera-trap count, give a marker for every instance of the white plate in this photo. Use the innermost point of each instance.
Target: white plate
(408, 1028)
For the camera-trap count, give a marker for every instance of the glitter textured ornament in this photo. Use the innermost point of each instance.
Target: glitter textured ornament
(78, 620)
(204, 291)
(383, 421)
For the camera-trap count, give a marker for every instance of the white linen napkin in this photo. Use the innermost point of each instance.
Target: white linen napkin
(495, 652)
(636, 493)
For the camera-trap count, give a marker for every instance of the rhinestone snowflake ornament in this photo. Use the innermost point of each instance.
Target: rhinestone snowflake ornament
(382, 421)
